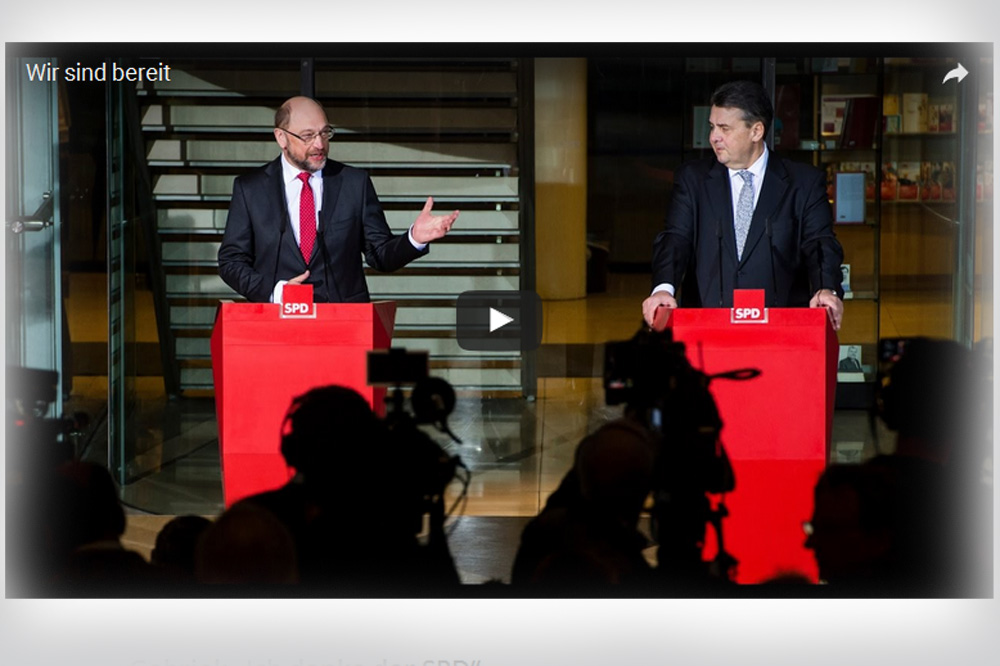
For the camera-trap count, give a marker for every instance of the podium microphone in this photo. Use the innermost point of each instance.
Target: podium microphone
(770, 249)
(718, 236)
(277, 255)
(331, 287)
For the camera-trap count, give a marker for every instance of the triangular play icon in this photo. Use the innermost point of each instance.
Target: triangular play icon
(498, 319)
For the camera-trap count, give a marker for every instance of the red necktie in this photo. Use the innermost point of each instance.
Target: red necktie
(307, 218)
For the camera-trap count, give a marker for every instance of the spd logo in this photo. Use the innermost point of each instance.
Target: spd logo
(748, 307)
(297, 302)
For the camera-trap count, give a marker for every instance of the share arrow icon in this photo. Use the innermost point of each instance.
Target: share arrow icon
(957, 73)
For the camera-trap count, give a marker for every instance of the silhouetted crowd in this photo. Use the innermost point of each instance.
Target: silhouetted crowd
(360, 517)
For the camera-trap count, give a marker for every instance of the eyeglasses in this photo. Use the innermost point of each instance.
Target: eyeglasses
(308, 137)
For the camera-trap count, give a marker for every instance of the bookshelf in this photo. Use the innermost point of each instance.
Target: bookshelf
(909, 165)
(895, 124)
(828, 114)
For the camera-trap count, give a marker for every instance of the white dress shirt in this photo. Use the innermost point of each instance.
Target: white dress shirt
(293, 195)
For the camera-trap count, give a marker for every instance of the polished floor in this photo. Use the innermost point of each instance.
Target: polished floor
(517, 450)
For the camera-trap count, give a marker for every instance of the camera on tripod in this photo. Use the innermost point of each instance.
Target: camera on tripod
(651, 375)
(35, 442)
(429, 467)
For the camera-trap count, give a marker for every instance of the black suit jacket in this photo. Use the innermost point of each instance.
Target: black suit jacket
(258, 248)
(790, 252)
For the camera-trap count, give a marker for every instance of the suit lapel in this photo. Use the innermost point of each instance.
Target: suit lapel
(775, 186)
(331, 193)
(720, 200)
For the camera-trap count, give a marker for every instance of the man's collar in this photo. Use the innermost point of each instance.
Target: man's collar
(290, 172)
(757, 168)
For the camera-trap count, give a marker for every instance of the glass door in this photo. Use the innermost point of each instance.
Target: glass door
(122, 356)
(34, 312)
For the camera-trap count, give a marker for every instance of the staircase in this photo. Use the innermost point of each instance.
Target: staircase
(446, 128)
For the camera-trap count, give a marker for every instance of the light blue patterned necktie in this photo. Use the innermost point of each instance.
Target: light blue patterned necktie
(744, 211)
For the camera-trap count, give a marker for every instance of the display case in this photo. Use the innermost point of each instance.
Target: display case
(828, 114)
(906, 144)
(910, 184)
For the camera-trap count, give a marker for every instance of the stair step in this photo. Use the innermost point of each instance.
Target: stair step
(260, 150)
(200, 117)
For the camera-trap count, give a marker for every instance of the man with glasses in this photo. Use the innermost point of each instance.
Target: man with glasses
(304, 218)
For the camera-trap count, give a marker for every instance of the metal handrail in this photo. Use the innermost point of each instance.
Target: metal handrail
(146, 204)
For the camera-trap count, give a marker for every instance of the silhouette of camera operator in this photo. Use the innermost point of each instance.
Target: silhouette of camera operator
(852, 532)
(586, 537)
(917, 521)
(356, 503)
(938, 399)
(83, 522)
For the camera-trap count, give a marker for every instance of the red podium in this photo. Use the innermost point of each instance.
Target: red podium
(261, 361)
(776, 427)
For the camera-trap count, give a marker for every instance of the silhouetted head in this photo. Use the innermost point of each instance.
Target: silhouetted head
(615, 468)
(851, 532)
(329, 428)
(176, 541)
(85, 507)
(247, 544)
(934, 398)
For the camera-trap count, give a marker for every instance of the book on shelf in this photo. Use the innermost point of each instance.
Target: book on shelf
(787, 110)
(889, 181)
(832, 109)
(914, 113)
(868, 168)
(891, 118)
(849, 367)
(930, 187)
(831, 176)
(908, 176)
(860, 123)
(933, 117)
(985, 122)
(845, 281)
(890, 104)
(946, 178)
(946, 118)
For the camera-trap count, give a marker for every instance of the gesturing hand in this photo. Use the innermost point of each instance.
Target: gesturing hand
(429, 227)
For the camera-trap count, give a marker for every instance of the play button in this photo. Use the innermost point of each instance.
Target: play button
(498, 320)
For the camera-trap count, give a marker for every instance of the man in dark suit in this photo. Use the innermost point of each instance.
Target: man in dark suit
(746, 219)
(265, 246)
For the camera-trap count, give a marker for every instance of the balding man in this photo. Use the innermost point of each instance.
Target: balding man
(304, 218)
